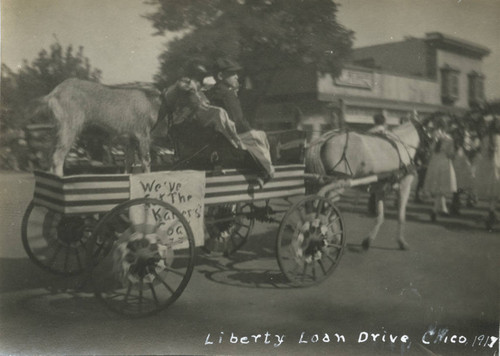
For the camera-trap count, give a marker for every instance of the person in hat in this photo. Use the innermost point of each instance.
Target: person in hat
(225, 92)
(185, 102)
(380, 122)
(225, 95)
(440, 179)
(380, 127)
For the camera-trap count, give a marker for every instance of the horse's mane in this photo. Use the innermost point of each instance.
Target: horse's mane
(404, 129)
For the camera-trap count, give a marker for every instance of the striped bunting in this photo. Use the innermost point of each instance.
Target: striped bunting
(81, 193)
(99, 193)
(236, 186)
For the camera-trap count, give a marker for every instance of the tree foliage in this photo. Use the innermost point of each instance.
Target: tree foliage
(260, 34)
(38, 78)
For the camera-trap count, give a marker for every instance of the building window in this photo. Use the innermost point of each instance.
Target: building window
(476, 88)
(449, 85)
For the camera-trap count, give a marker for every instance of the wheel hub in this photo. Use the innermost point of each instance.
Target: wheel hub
(141, 258)
(222, 230)
(311, 241)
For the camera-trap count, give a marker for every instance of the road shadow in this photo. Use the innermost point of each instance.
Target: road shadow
(238, 269)
(17, 274)
(358, 248)
(466, 221)
(42, 293)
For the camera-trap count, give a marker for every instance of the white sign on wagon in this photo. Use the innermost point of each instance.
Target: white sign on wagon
(185, 190)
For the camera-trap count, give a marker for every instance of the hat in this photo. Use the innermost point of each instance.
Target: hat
(195, 70)
(379, 118)
(226, 65)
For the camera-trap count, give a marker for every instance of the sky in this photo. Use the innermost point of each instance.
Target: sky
(115, 37)
(384, 21)
(120, 42)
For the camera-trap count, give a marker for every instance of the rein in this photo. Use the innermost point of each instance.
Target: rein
(187, 159)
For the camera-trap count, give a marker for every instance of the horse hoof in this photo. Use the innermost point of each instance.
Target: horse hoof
(366, 244)
(403, 245)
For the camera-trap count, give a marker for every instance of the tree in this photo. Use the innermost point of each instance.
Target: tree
(38, 78)
(32, 81)
(261, 34)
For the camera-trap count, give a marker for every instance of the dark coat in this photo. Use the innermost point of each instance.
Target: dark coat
(226, 97)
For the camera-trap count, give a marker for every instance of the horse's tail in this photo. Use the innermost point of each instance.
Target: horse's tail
(39, 110)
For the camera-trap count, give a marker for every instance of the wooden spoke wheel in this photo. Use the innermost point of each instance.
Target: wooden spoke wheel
(228, 226)
(54, 241)
(311, 241)
(141, 257)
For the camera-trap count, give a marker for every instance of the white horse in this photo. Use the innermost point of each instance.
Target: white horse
(388, 159)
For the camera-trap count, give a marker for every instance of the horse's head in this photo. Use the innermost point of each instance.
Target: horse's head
(412, 132)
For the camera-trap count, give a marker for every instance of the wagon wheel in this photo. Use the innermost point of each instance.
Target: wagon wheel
(145, 250)
(228, 226)
(311, 241)
(54, 241)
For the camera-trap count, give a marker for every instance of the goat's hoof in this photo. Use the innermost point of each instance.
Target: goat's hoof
(403, 245)
(366, 244)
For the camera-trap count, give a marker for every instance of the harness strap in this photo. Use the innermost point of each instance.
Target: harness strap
(343, 158)
(393, 140)
(393, 144)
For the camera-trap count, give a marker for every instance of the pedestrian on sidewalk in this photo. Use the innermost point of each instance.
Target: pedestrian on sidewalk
(440, 180)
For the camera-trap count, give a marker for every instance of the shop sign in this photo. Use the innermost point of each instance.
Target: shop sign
(356, 79)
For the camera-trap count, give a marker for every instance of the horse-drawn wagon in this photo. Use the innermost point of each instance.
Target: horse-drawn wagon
(140, 252)
(135, 235)
(139, 248)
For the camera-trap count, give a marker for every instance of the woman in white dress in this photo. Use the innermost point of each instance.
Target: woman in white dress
(440, 180)
(487, 167)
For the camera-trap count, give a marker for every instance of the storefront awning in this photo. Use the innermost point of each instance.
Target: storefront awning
(381, 104)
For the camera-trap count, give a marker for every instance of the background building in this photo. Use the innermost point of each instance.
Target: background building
(435, 73)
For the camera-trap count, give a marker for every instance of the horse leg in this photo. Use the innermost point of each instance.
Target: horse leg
(130, 150)
(144, 152)
(420, 184)
(379, 220)
(66, 136)
(372, 205)
(492, 218)
(455, 203)
(404, 195)
(68, 128)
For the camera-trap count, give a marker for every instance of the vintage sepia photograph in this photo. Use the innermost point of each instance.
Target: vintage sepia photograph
(247, 177)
